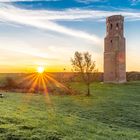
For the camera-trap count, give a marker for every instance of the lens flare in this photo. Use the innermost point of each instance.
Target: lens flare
(39, 82)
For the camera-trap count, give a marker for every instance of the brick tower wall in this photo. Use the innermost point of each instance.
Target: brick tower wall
(114, 51)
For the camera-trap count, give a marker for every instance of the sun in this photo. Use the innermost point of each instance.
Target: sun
(40, 69)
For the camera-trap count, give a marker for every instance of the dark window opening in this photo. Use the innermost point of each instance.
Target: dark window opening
(111, 26)
(111, 43)
(117, 25)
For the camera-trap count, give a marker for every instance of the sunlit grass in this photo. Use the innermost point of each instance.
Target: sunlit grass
(112, 113)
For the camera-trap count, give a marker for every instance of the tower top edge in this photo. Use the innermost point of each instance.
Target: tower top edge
(115, 18)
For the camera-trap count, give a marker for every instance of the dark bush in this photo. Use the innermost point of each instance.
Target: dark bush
(10, 83)
(133, 76)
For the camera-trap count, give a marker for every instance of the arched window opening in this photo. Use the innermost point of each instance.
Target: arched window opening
(111, 26)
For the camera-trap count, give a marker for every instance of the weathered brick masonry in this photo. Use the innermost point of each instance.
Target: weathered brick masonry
(114, 51)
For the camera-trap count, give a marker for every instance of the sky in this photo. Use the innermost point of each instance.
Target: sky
(47, 32)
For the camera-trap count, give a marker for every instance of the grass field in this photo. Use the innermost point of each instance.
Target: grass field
(111, 113)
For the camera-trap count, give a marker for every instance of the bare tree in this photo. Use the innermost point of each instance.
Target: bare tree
(83, 63)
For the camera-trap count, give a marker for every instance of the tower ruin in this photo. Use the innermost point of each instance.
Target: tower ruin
(114, 51)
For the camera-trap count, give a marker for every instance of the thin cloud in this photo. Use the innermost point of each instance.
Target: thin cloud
(90, 1)
(39, 20)
(69, 14)
(13, 0)
(135, 2)
(46, 19)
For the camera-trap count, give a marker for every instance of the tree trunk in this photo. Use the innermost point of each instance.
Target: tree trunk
(88, 89)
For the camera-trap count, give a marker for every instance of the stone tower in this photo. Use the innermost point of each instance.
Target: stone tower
(114, 51)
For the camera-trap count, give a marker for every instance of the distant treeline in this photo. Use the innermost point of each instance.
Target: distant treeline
(21, 84)
(73, 77)
(66, 76)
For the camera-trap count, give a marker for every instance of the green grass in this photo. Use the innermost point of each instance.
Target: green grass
(111, 113)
